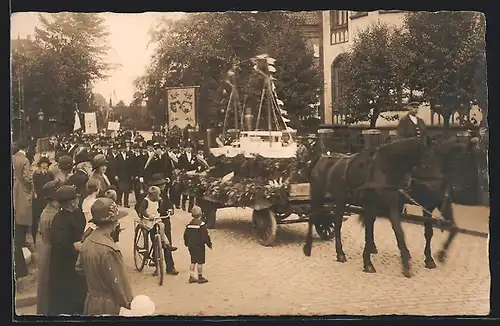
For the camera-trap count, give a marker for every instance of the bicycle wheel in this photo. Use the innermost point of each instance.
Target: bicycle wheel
(159, 259)
(140, 248)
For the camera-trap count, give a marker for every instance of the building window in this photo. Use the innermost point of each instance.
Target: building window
(339, 26)
(358, 14)
(338, 85)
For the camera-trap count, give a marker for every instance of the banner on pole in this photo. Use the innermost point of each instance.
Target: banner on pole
(77, 124)
(90, 123)
(113, 125)
(181, 107)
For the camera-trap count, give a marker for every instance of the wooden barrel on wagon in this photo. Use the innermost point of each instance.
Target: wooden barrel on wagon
(372, 138)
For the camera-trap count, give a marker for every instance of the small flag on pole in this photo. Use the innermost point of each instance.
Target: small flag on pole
(77, 124)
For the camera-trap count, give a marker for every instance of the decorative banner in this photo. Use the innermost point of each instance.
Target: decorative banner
(77, 125)
(181, 107)
(112, 125)
(90, 123)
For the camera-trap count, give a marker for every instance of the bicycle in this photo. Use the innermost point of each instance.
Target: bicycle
(144, 253)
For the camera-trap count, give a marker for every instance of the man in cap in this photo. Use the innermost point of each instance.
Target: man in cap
(102, 263)
(410, 125)
(67, 288)
(22, 194)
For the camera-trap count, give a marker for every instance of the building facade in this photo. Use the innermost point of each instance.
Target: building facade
(339, 29)
(311, 30)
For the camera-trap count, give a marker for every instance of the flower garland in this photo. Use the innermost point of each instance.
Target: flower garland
(254, 179)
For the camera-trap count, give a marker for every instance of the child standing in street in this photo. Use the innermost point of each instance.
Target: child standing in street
(195, 238)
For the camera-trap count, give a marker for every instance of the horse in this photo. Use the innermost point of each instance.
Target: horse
(370, 179)
(431, 187)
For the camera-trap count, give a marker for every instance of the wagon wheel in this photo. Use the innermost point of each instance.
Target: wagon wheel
(264, 224)
(325, 229)
(210, 215)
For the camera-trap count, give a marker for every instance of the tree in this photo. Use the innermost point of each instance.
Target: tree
(200, 49)
(448, 55)
(372, 81)
(67, 56)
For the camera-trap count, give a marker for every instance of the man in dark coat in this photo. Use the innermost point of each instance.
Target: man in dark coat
(112, 168)
(410, 125)
(124, 166)
(187, 162)
(67, 288)
(157, 163)
(82, 172)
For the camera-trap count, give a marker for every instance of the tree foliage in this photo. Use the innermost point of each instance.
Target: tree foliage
(440, 56)
(200, 49)
(65, 58)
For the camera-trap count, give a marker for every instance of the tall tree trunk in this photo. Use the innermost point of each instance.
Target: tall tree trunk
(374, 117)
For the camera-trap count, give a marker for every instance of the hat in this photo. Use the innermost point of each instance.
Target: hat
(157, 179)
(154, 190)
(156, 145)
(149, 143)
(111, 193)
(196, 212)
(49, 189)
(44, 159)
(105, 210)
(414, 104)
(40, 113)
(99, 160)
(65, 193)
(65, 162)
(83, 156)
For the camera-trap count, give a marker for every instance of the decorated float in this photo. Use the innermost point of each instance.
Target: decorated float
(256, 168)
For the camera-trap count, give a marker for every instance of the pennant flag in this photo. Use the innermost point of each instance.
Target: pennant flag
(280, 102)
(77, 124)
(285, 119)
(285, 112)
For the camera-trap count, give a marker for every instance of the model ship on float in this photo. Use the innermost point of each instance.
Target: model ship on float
(277, 140)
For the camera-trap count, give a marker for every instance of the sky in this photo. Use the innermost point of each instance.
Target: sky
(129, 48)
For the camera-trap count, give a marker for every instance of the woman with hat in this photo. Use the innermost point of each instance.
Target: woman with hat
(99, 166)
(67, 288)
(81, 174)
(48, 193)
(41, 176)
(102, 263)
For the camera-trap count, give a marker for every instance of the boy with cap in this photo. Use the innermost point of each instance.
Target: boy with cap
(195, 238)
(149, 210)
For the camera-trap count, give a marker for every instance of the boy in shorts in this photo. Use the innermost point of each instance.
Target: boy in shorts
(195, 238)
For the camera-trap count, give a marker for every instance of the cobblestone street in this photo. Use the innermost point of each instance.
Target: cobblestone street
(249, 279)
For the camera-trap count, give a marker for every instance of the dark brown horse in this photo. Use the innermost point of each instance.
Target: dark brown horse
(370, 179)
(431, 187)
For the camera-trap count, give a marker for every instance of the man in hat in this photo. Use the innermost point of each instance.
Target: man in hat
(63, 169)
(124, 171)
(112, 167)
(82, 172)
(410, 125)
(157, 163)
(22, 194)
(187, 162)
(102, 263)
(67, 288)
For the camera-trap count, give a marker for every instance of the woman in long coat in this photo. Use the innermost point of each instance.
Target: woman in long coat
(41, 176)
(99, 165)
(44, 248)
(67, 288)
(102, 264)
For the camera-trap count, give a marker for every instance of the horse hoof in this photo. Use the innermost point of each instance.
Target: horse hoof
(307, 251)
(441, 256)
(407, 273)
(341, 258)
(374, 250)
(430, 264)
(369, 269)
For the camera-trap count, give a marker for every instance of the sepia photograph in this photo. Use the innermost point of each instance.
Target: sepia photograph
(249, 163)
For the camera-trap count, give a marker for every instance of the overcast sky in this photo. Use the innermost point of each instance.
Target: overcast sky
(129, 48)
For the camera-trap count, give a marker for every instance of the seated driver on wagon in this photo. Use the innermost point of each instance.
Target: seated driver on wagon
(150, 214)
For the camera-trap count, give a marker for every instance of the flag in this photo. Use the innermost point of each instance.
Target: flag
(77, 124)
(90, 123)
(181, 109)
